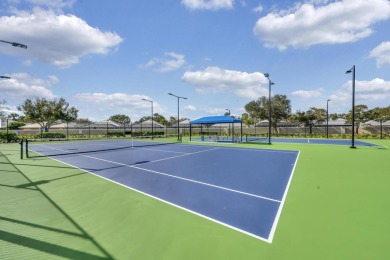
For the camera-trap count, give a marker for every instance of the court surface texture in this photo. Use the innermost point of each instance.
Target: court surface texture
(240, 188)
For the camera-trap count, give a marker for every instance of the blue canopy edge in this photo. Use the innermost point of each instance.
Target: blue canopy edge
(215, 120)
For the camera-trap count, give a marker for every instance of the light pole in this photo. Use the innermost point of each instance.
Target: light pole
(178, 104)
(353, 104)
(327, 118)
(151, 102)
(15, 44)
(229, 123)
(269, 106)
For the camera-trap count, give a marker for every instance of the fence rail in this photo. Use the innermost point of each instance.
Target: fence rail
(378, 131)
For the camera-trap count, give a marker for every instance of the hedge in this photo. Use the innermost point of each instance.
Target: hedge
(12, 137)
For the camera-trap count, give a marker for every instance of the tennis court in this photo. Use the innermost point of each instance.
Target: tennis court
(243, 189)
(335, 207)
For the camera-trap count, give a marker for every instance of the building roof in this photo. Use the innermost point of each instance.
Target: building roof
(374, 123)
(148, 123)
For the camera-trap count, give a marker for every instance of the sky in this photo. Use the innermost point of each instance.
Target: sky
(104, 57)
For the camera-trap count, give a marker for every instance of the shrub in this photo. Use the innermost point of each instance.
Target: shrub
(12, 137)
(148, 133)
(50, 135)
(115, 133)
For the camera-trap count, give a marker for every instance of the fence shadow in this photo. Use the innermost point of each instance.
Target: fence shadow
(18, 229)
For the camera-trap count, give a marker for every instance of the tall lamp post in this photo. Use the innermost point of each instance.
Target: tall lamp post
(269, 106)
(229, 123)
(151, 102)
(327, 118)
(6, 77)
(15, 44)
(178, 121)
(353, 104)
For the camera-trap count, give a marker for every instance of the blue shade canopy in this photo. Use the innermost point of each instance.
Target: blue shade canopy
(215, 120)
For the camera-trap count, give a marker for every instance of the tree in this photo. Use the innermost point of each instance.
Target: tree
(83, 121)
(121, 119)
(15, 125)
(311, 117)
(156, 118)
(172, 121)
(14, 116)
(46, 113)
(379, 113)
(160, 119)
(69, 115)
(247, 120)
(362, 115)
(259, 109)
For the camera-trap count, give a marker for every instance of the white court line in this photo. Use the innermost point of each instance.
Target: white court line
(276, 220)
(167, 202)
(281, 203)
(247, 149)
(174, 176)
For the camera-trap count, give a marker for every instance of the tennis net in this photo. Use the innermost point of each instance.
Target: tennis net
(256, 138)
(66, 146)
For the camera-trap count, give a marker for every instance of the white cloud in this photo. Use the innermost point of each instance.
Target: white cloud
(27, 62)
(56, 4)
(208, 4)
(217, 80)
(190, 108)
(258, 9)
(22, 85)
(310, 24)
(368, 92)
(102, 105)
(170, 61)
(56, 39)
(215, 111)
(308, 93)
(382, 54)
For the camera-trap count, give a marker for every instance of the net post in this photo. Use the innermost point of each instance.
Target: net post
(27, 148)
(21, 149)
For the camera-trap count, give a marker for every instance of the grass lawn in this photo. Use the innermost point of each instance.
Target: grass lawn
(337, 207)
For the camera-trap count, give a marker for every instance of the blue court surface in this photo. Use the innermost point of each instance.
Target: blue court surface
(243, 189)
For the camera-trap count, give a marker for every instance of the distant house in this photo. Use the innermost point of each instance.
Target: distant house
(336, 122)
(105, 123)
(280, 123)
(184, 123)
(36, 126)
(377, 123)
(148, 124)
